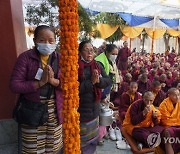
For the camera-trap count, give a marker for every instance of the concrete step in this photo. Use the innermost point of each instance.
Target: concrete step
(9, 149)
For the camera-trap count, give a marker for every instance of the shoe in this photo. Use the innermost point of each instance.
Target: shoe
(127, 144)
(121, 145)
(118, 134)
(140, 146)
(101, 143)
(112, 134)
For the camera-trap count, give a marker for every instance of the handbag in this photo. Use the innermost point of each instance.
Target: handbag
(30, 113)
(33, 113)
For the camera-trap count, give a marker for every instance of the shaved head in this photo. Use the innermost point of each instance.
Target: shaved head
(133, 87)
(172, 90)
(133, 84)
(174, 95)
(148, 98)
(148, 94)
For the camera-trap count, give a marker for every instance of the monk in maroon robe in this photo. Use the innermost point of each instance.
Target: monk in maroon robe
(127, 98)
(176, 80)
(152, 74)
(162, 80)
(135, 73)
(102, 48)
(171, 57)
(123, 87)
(142, 119)
(122, 58)
(161, 71)
(170, 119)
(169, 79)
(159, 94)
(143, 83)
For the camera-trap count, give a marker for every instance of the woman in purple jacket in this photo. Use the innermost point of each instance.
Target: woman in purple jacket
(36, 77)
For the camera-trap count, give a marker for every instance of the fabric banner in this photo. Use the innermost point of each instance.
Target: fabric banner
(173, 32)
(158, 33)
(171, 22)
(132, 32)
(106, 30)
(133, 20)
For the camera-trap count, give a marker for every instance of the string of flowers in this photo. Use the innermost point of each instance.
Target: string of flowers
(68, 17)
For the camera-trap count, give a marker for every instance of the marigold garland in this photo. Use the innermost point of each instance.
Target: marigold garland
(68, 17)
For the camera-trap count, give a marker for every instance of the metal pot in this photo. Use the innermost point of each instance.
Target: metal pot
(106, 116)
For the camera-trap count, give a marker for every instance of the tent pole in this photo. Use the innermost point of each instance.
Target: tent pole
(176, 44)
(130, 43)
(152, 44)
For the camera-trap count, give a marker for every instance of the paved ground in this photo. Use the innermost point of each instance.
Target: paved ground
(9, 149)
(109, 147)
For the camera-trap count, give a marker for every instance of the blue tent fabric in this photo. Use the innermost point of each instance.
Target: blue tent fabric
(171, 22)
(133, 20)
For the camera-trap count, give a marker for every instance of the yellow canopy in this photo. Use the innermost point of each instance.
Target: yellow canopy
(158, 33)
(173, 32)
(131, 32)
(106, 30)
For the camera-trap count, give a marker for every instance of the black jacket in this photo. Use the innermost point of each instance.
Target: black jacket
(88, 107)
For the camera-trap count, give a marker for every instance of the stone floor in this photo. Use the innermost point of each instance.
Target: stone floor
(109, 147)
(9, 149)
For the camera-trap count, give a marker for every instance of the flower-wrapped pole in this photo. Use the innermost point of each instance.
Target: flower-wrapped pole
(68, 17)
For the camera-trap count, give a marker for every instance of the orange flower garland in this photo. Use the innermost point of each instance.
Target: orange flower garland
(68, 17)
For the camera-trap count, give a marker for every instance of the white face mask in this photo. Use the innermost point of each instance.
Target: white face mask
(46, 49)
(112, 58)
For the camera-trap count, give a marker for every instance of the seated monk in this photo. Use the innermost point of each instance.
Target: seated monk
(142, 119)
(123, 87)
(143, 83)
(170, 119)
(158, 93)
(127, 98)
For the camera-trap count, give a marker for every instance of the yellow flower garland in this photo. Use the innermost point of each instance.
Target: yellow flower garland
(68, 17)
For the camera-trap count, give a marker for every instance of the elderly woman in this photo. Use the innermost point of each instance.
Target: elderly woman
(36, 78)
(93, 79)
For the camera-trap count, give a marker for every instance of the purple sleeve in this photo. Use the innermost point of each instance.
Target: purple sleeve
(18, 82)
(136, 114)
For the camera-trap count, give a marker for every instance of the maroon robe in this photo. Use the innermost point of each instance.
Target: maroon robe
(175, 133)
(151, 77)
(169, 82)
(122, 59)
(141, 134)
(166, 88)
(159, 98)
(143, 87)
(125, 102)
(175, 83)
(135, 74)
(171, 57)
(100, 50)
(123, 88)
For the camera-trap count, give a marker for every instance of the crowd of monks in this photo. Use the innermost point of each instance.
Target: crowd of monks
(148, 97)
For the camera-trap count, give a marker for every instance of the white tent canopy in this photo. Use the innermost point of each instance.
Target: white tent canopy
(164, 9)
